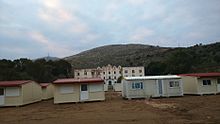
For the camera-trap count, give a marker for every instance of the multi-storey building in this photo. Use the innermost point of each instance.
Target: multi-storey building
(109, 73)
(87, 73)
(133, 71)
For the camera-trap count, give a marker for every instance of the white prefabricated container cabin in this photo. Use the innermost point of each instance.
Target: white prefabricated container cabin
(152, 86)
(47, 90)
(78, 90)
(201, 83)
(18, 93)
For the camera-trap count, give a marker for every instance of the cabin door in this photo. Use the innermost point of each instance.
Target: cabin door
(2, 96)
(84, 94)
(160, 87)
(218, 85)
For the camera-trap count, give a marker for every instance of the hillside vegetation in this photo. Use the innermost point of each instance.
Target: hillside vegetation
(157, 60)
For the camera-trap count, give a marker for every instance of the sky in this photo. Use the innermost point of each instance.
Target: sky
(36, 28)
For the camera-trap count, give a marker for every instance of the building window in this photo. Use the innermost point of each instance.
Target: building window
(206, 82)
(114, 77)
(174, 84)
(109, 72)
(218, 81)
(78, 74)
(137, 85)
(140, 75)
(119, 72)
(140, 71)
(126, 75)
(103, 72)
(133, 71)
(93, 73)
(85, 73)
(104, 78)
(126, 71)
(114, 72)
(109, 77)
(133, 75)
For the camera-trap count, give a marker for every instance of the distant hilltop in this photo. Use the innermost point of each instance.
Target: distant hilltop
(49, 58)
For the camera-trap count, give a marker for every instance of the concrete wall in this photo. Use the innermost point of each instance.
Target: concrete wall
(172, 91)
(117, 87)
(207, 89)
(28, 93)
(190, 85)
(14, 100)
(194, 85)
(150, 89)
(75, 96)
(47, 92)
(31, 93)
(138, 71)
(67, 97)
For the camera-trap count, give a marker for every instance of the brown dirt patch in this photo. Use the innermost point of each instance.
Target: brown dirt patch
(115, 110)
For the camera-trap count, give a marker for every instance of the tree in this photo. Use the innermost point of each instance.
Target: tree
(156, 68)
(119, 79)
(179, 62)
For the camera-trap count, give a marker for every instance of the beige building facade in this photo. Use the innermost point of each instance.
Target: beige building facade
(47, 91)
(18, 93)
(201, 83)
(109, 73)
(152, 86)
(133, 71)
(78, 90)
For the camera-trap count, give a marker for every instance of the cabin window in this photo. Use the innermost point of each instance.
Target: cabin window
(12, 91)
(206, 82)
(1, 91)
(174, 84)
(66, 89)
(137, 85)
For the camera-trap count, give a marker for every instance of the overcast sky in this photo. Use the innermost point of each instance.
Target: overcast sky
(34, 28)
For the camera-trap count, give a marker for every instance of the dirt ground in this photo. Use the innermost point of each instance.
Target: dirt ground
(187, 109)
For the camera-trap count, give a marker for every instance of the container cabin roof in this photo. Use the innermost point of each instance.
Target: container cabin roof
(153, 77)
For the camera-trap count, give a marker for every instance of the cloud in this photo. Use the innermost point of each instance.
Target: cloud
(141, 34)
(53, 12)
(137, 2)
(58, 49)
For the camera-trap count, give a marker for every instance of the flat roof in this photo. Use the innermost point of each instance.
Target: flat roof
(211, 74)
(153, 77)
(74, 80)
(13, 83)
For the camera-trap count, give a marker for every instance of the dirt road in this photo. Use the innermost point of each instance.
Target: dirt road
(115, 110)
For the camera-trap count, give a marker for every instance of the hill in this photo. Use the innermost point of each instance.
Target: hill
(197, 58)
(125, 55)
